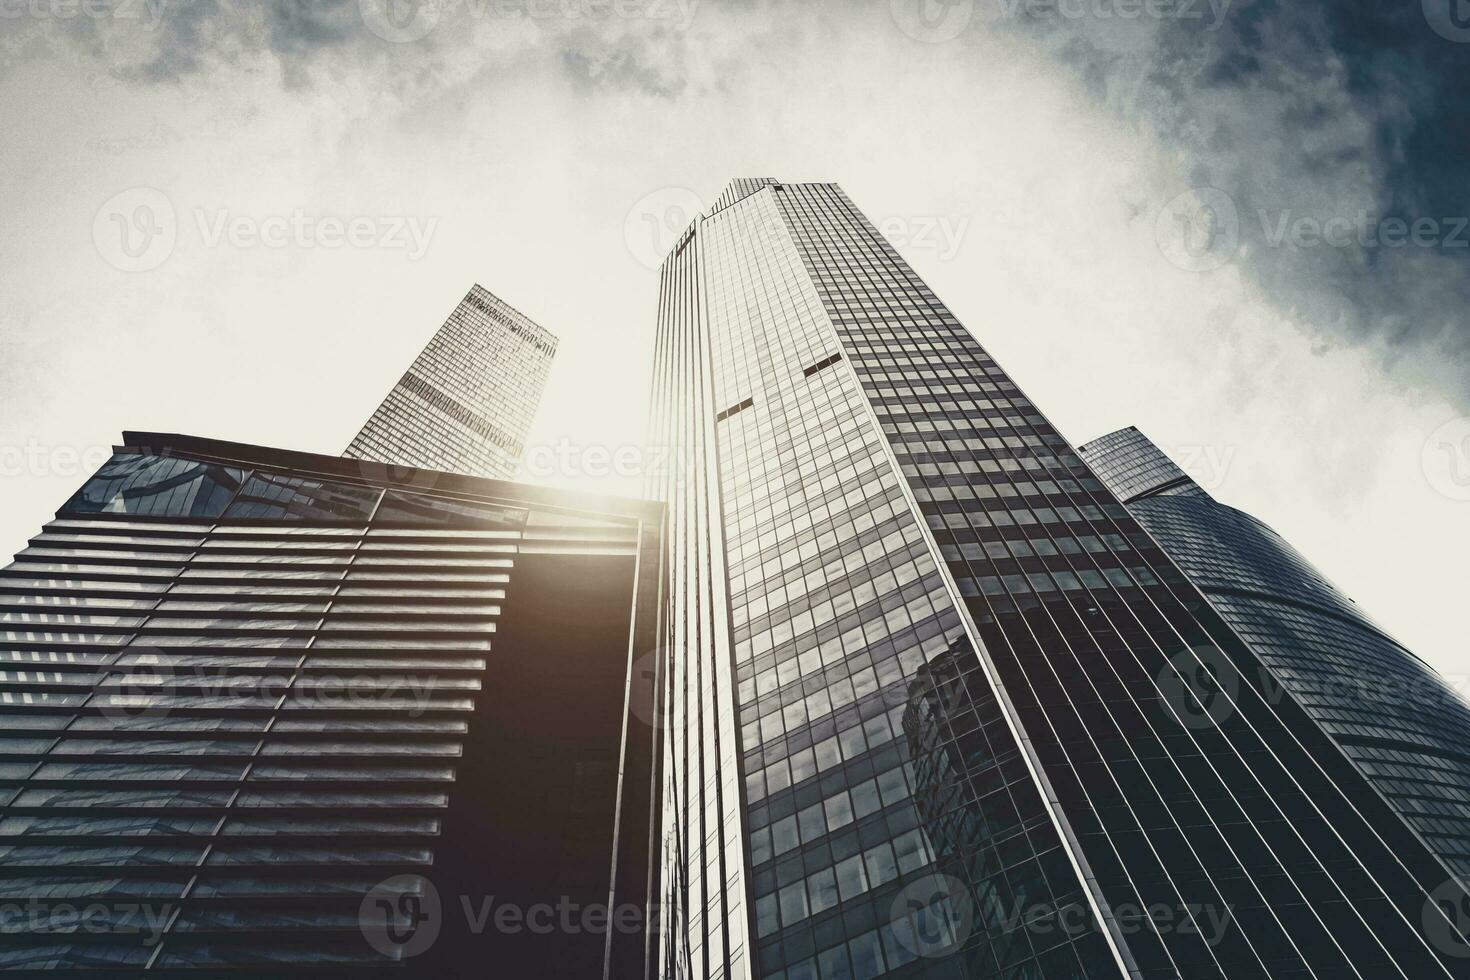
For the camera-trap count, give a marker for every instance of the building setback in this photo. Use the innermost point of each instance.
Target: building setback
(1390, 713)
(466, 403)
(938, 706)
(266, 713)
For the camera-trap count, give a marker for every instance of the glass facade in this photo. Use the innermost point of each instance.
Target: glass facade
(249, 698)
(1386, 710)
(466, 403)
(937, 705)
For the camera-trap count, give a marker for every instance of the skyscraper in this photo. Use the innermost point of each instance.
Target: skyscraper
(1389, 713)
(263, 716)
(466, 403)
(937, 706)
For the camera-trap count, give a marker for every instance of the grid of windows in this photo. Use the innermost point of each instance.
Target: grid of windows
(1390, 713)
(835, 604)
(234, 701)
(1028, 745)
(466, 403)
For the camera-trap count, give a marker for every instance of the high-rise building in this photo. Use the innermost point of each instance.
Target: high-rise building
(262, 715)
(937, 705)
(466, 403)
(1391, 714)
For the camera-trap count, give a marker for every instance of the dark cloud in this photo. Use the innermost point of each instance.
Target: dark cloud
(627, 63)
(166, 41)
(170, 41)
(1306, 112)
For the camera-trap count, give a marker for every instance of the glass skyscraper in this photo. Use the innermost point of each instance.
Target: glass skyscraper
(937, 705)
(1390, 713)
(466, 403)
(262, 715)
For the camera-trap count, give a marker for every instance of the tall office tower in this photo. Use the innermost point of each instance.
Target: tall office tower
(936, 705)
(261, 716)
(466, 403)
(1392, 715)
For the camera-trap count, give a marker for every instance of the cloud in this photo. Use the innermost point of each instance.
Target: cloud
(1332, 127)
(600, 45)
(626, 63)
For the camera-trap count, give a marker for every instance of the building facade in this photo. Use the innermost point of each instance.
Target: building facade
(937, 705)
(1389, 713)
(466, 403)
(262, 716)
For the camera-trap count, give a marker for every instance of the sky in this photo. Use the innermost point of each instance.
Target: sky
(1237, 225)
